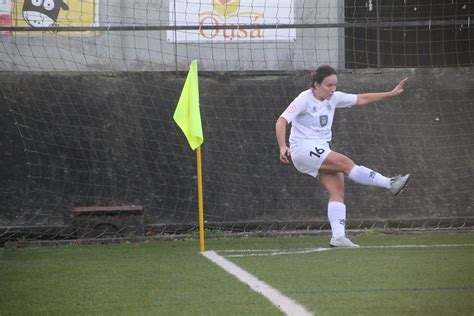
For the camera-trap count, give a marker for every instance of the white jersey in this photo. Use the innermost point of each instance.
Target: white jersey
(311, 119)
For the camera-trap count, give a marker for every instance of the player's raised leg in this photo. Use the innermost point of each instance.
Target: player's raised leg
(336, 162)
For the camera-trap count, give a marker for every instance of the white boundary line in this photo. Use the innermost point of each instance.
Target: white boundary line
(237, 253)
(284, 303)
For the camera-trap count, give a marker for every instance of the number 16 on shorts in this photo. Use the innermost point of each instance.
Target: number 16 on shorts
(317, 152)
(308, 156)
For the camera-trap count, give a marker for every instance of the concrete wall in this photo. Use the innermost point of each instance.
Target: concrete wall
(108, 138)
(150, 50)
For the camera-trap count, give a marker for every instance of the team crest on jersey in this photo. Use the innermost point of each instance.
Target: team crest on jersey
(323, 120)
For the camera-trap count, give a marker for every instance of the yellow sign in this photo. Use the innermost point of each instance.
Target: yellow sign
(55, 13)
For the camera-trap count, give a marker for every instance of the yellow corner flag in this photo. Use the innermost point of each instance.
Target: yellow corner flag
(187, 114)
(188, 118)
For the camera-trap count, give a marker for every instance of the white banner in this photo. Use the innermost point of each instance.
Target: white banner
(5, 15)
(231, 12)
(5, 7)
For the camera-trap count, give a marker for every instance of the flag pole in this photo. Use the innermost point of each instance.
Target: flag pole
(188, 117)
(200, 199)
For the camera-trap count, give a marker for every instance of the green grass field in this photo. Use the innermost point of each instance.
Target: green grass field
(172, 278)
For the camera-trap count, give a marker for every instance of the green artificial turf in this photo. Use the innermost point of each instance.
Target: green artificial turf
(374, 281)
(172, 278)
(155, 278)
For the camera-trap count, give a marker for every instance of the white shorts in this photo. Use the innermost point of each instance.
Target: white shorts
(309, 155)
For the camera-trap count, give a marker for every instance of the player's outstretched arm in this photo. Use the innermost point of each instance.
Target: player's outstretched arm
(280, 128)
(367, 98)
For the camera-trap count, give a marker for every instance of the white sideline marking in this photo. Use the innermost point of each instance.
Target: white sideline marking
(284, 303)
(277, 252)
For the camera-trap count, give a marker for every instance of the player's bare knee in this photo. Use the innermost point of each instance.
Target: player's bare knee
(346, 164)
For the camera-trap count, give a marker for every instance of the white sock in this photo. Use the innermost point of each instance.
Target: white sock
(337, 218)
(366, 176)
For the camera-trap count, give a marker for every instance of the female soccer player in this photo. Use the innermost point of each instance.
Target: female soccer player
(311, 115)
